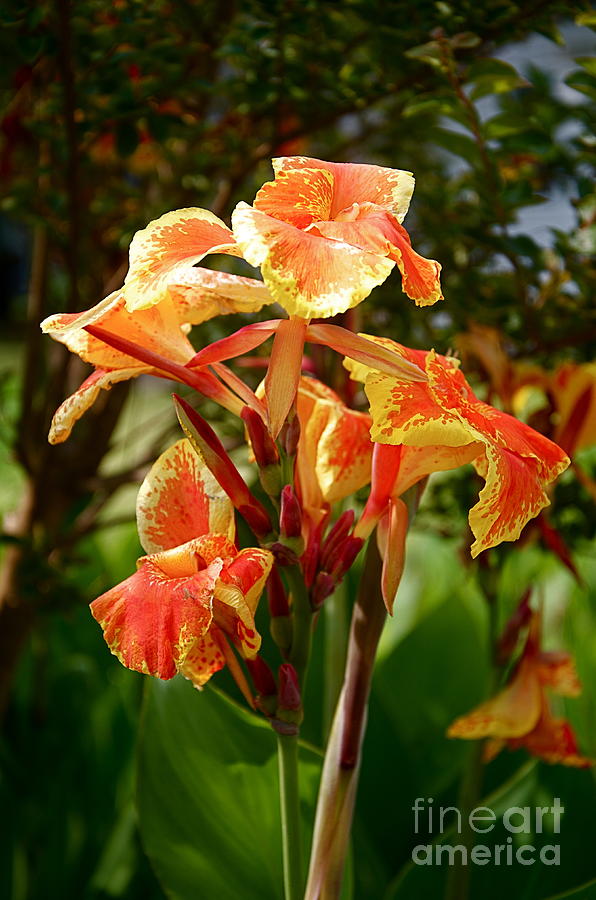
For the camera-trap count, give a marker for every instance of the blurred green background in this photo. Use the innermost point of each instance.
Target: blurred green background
(113, 114)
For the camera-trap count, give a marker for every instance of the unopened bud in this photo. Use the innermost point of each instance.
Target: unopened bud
(323, 587)
(262, 676)
(290, 435)
(281, 632)
(337, 534)
(276, 594)
(346, 555)
(290, 516)
(263, 445)
(289, 689)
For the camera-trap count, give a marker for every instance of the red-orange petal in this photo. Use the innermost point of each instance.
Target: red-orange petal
(180, 500)
(167, 248)
(299, 197)
(151, 620)
(358, 183)
(283, 374)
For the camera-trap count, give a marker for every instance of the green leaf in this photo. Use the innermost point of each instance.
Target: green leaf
(208, 795)
(493, 76)
(585, 891)
(583, 82)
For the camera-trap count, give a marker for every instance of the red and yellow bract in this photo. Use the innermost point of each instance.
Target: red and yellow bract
(194, 590)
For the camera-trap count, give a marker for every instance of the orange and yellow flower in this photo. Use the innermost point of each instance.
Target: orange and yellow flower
(325, 234)
(194, 591)
(160, 330)
(440, 425)
(520, 715)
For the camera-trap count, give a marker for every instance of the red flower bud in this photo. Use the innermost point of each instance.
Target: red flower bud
(290, 435)
(261, 441)
(335, 538)
(323, 587)
(276, 593)
(262, 676)
(289, 689)
(346, 556)
(290, 516)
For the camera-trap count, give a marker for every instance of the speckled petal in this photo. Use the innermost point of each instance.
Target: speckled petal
(308, 275)
(151, 620)
(358, 183)
(180, 500)
(200, 294)
(297, 196)
(167, 248)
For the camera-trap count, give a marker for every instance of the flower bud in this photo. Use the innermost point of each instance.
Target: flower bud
(263, 445)
(346, 555)
(290, 435)
(335, 538)
(290, 516)
(289, 689)
(323, 587)
(262, 676)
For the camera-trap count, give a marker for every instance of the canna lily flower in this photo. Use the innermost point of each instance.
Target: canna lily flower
(194, 591)
(426, 426)
(324, 234)
(520, 715)
(160, 331)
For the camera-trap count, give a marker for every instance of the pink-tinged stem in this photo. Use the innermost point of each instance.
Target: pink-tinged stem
(339, 780)
(204, 382)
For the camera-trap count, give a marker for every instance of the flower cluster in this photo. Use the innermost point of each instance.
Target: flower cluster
(323, 235)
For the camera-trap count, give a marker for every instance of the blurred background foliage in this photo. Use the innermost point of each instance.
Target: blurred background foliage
(113, 114)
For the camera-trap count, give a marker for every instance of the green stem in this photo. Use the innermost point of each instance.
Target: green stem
(299, 654)
(287, 748)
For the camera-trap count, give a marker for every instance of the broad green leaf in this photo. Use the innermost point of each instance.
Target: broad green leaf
(493, 76)
(208, 795)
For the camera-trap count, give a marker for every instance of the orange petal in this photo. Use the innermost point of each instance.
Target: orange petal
(83, 398)
(167, 248)
(358, 183)
(512, 495)
(157, 329)
(574, 386)
(242, 341)
(368, 353)
(201, 294)
(554, 741)
(151, 620)
(391, 536)
(299, 196)
(308, 275)
(557, 671)
(418, 462)
(376, 230)
(237, 594)
(283, 374)
(512, 713)
(180, 500)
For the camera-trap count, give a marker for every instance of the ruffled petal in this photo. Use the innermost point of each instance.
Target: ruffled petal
(297, 196)
(71, 410)
(557, 671)
(180, 500)
(167, 248)
(151, 620)
(308, 275)
(376, 230)
(512, 713)
(237, 594)
(358, 183)
(554, 741)
(512, 495)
